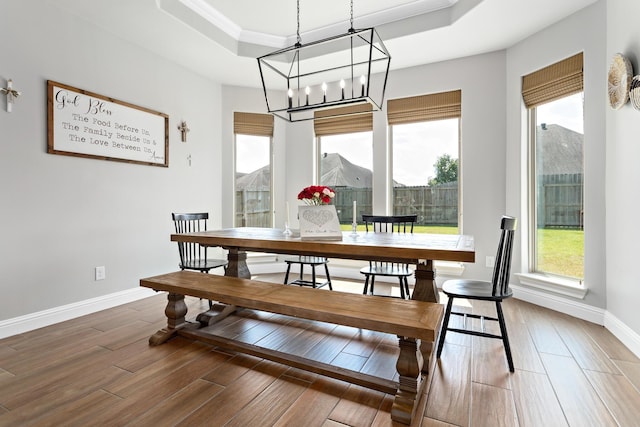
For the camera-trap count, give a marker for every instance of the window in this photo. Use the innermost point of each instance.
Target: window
(425, 142)
(556, 169)
(253, 202)
(345, 147)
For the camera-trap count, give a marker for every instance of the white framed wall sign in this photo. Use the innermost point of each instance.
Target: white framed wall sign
(84, 124)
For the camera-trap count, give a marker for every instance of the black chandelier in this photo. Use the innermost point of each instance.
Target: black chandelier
(347, 69)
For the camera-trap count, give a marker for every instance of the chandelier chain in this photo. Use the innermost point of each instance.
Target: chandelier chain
(351, 21)
(299, 39)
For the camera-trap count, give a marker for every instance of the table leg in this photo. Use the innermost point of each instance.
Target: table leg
(175, 311)
(409, 367)
(237, 267)
(426, 290)
(237, 264)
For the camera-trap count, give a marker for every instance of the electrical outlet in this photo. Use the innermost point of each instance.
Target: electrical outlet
(101, 273)
(490, 261)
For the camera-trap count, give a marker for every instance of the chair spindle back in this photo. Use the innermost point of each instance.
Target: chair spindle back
(389, 224)
(502, 267)
(190, 223)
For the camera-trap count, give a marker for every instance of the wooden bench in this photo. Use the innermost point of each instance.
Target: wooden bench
(414, 322)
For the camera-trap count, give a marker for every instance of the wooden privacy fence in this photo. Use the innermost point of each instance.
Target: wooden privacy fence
(435, 205)
(253, 208)
(562, 206)
(560, 199)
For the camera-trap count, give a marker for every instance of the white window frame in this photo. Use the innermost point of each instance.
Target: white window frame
(548, 282)
(460, 179)
(271, 184)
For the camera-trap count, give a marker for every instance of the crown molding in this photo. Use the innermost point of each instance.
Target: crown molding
(397, 21)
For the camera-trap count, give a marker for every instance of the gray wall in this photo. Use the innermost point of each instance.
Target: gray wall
(623, 173)
(62, 216)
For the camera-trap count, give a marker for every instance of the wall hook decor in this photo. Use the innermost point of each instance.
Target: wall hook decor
(11, 93)
(183, 129)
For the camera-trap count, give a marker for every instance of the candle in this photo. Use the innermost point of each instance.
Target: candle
(354, 212)
(363, 80)
(324, 92)
(306, 91)
(287, 205)
(290, 96)
(342, 87)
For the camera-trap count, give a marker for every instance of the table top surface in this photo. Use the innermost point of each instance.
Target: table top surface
(362, 245)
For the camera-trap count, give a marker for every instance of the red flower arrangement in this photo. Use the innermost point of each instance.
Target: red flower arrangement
(316, 195)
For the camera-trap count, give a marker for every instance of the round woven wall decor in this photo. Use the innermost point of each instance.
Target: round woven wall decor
(634, 92)
(620, 75)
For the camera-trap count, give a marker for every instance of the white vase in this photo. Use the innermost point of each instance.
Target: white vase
(319, 222)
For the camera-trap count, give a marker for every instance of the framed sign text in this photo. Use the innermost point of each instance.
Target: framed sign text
(84, 124)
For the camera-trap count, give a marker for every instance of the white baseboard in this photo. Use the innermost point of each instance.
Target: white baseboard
(582, 311)
(43, 318)
(558, 303)
(624, 333)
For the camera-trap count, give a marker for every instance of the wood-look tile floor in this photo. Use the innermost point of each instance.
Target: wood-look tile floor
(100, 370)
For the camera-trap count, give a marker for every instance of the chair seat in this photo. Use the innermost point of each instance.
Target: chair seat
(387, 270)
(476, 289)
(204, 264)
(310, 260)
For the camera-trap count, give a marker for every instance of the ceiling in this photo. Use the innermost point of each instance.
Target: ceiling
(220, 39)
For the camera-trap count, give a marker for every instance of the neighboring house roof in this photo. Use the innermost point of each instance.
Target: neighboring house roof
(259, 179)
(562, 153)
(340, 172)
(562, 150)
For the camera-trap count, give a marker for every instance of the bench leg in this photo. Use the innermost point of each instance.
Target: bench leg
(175, 311)
(409, 367)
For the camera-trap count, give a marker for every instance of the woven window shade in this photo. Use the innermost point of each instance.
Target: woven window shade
(436, 106)
(253, 124)
(556, 81)
(359, 119)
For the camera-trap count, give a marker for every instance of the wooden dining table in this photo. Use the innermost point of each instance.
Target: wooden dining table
(419, 249)
(414, 248)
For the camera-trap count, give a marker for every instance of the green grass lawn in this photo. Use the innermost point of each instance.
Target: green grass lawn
(416, 229)
(560, 251)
